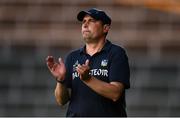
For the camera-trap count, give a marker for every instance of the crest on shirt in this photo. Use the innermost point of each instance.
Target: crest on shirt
(75, 65)
(104, 62)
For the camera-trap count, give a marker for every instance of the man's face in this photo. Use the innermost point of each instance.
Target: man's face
(92, 30)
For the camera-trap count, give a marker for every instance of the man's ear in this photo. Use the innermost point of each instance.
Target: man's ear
(106, 28)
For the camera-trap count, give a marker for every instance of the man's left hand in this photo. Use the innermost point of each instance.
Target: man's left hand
(83, 70)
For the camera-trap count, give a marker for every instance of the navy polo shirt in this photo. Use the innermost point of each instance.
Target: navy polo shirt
(108, 65)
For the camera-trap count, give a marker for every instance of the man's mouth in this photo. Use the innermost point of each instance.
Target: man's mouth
(86, 31)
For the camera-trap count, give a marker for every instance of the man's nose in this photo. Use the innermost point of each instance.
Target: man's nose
(85, 24)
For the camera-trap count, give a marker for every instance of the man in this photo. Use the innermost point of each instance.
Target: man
(97, 74)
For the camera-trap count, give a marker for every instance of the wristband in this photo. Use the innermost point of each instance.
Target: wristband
(60, 81)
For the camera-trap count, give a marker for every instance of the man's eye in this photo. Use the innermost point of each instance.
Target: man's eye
(83, 21)
(92, 20)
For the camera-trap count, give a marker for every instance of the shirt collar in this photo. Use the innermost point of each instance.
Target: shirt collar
(105, 48)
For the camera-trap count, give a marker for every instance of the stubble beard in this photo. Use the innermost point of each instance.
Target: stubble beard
(90, 39)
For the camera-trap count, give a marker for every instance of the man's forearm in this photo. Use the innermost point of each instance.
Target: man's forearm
(111, 90)
(61, 94)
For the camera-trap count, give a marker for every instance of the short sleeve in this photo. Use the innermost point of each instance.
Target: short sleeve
(119, 68)
(68, 76)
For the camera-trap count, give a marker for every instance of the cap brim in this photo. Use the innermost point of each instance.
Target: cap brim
(81, 15)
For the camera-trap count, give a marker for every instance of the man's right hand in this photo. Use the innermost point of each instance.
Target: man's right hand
(58, 70)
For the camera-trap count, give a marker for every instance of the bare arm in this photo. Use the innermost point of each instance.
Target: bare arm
(58, 70)
(61, 94)
(111, 90)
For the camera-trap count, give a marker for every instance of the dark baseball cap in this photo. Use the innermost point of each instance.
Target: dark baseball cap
(96, 14)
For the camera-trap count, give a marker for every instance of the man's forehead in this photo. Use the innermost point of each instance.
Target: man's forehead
(88, 17)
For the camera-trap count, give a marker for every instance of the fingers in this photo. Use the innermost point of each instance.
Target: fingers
(81, 69)
(61, 61)
(50, 61)
(87, 62)
(54, 67)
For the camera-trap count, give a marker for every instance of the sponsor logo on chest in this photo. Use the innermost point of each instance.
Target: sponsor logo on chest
(94, 72)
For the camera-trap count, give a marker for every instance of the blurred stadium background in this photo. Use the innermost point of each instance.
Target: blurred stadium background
(32, 29)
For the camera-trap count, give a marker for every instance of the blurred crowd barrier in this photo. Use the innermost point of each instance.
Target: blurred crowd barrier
(30, 30)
